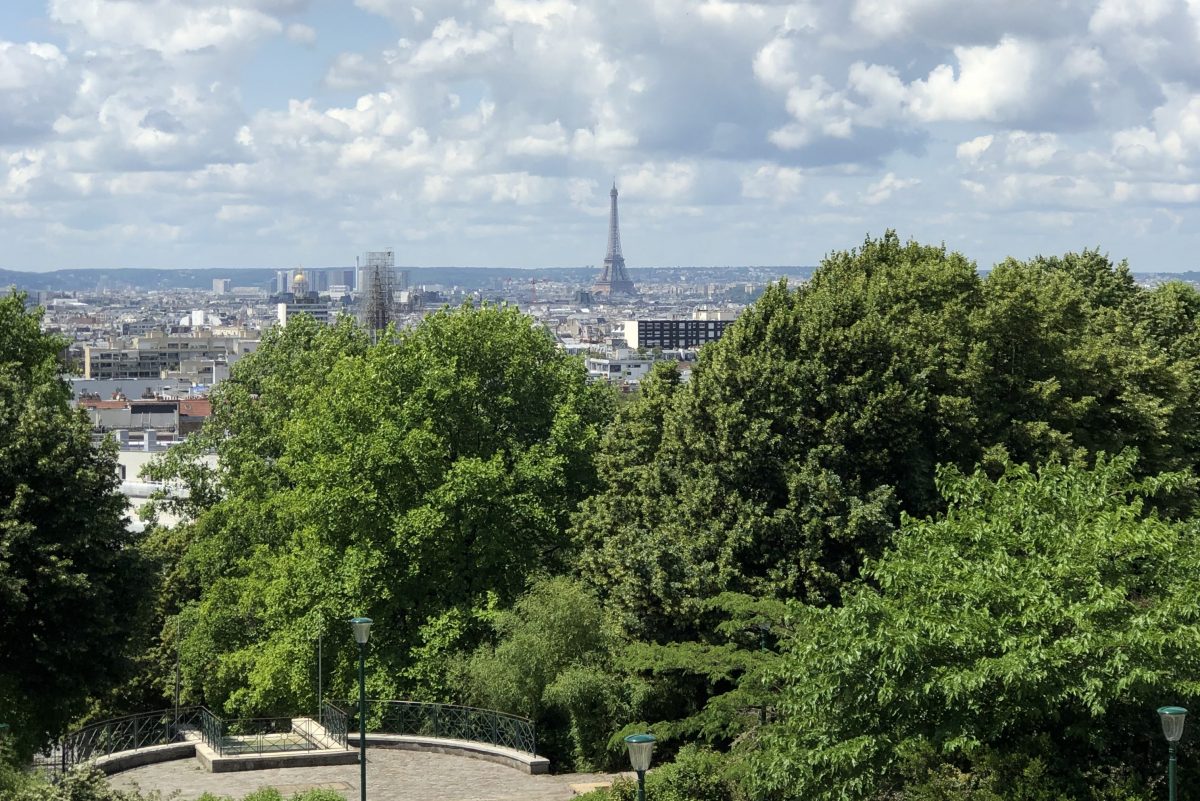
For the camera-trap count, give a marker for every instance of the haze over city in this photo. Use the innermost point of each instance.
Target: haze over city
(284, 132)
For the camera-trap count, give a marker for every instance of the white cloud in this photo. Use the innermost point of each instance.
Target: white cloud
(991, 83)
(542, 13)
(37, 84)
(1121, 15)
(485, 118)
(670, 181)
(818, 111)
(169, 27)
(1172, 141)
(541, 141)
(302, 34)
(453, 45)
(242, 212)
(972, 150)
(776, 64)
(772, 182)
(885, 187)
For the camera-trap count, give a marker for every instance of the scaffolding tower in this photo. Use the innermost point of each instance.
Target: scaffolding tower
(378, 275)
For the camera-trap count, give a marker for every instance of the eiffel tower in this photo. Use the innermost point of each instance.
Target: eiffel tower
(613, 280)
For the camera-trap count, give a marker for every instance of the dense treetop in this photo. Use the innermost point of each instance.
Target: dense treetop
(420, 481)
(1035, 625)
(72, 581)
(910, 532)
(825, 411)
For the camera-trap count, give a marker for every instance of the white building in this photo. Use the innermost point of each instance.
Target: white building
(621, 368)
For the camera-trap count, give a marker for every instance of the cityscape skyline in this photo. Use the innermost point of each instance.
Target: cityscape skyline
(160, 133)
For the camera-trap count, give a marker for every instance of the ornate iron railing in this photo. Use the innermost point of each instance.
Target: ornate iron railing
(336, 722)
(263, 736)
(267, 735)
(212, 730)
(122, 734)
(447, 721)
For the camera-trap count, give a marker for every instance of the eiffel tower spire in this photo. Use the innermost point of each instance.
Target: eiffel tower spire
(613, 280)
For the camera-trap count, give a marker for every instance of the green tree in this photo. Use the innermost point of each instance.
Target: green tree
(72, 580)
(822, 414)
(420, 481)
(785, 458)
(1014, 647)
(555, 661)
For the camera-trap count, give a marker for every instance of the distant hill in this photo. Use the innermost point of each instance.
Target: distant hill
(132, 278)
(146, 279)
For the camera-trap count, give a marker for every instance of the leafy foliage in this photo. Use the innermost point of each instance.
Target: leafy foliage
(419, 480)
(824, 412)
(1029, 632)
(84, 784)
(72, 581)
(554, 663)
(696, 774)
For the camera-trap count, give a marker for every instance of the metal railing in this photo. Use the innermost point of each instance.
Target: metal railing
(269, 735)
(212, 730)
(336, 722)
(243, 736)
(447, 721)
(128, 733)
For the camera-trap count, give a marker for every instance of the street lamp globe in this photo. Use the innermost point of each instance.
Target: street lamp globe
(1172, 718)
(641, 747)
(362, 629)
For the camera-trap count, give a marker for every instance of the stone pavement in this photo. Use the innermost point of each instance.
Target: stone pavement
(392, 775)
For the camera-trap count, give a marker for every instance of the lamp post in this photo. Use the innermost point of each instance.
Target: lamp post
(1172, 718)
(362, 630)
(641, 747)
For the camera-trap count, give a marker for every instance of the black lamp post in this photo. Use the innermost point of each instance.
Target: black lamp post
(1172, 718)
(641, 747)
(362, 630)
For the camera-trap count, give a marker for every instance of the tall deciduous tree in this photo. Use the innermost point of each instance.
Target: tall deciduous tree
(824, 411)
(72, 580)
(1015, 647)
(421, 481)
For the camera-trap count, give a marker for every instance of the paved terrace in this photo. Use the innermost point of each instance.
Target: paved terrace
(392, 775)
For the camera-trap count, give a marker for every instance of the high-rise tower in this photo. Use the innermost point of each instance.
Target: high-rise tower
(378, 283)
(613, 279)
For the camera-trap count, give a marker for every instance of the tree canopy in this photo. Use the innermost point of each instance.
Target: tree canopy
(909, 532)
(823, 413)
(73, 583)
(421, 481)
(1023, 640)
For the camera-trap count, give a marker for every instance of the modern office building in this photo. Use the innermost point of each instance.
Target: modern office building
(673, 334)
(153, 355)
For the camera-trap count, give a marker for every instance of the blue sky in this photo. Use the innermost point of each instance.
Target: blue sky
(188, 133)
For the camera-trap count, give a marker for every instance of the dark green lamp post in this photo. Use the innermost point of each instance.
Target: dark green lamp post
(1172, 718)
(362, 630)
(641, 747)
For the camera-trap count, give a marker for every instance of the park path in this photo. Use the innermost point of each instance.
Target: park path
(392, 775)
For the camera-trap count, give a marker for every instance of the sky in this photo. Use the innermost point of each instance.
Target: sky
(281, 133)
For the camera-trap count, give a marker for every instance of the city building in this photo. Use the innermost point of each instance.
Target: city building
(621, 367)
(673, 334)
(301, 300)
(153, 355)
